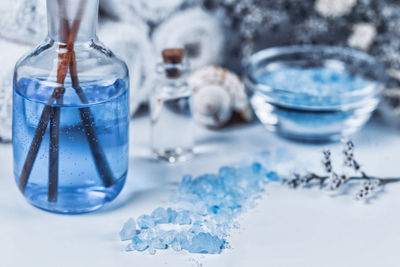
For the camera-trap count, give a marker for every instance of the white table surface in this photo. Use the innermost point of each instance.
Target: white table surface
(303, 227)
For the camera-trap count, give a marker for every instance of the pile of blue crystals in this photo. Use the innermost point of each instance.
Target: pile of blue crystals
(204, 210)
(323, 86)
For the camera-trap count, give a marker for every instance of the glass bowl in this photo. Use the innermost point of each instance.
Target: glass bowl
(314, 93)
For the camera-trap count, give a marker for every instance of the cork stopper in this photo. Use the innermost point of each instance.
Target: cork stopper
(173, 56)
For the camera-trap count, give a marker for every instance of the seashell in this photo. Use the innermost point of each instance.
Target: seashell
(217, 93)
(212, 106)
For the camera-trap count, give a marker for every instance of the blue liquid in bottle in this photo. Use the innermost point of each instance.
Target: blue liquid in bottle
(93, 145)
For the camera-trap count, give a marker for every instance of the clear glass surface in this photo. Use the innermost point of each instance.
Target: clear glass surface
(326, 113)
(171, 120)
(93, 118)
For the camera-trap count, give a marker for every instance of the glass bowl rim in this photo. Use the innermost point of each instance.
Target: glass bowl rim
(268, 53)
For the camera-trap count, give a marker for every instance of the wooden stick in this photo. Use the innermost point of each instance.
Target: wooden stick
(102, 166)
(66, 59)
(52, 193)
(62, 70)
(53, 153)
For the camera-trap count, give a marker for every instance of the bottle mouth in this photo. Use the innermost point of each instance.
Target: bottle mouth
(72, 20)
(174, 64)
(173, 71)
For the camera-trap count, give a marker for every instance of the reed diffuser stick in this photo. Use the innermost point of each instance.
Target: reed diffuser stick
(53, 152)
(102, 166)
(67, 61)
(62, 70)
(55, 118)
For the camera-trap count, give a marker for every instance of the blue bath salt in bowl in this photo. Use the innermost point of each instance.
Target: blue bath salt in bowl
(314, 93)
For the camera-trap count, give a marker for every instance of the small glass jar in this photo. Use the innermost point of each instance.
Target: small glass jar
(314, 93)
(70, 115)
(170, 110)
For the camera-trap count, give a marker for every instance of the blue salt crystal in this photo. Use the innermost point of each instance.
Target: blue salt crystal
(130, 247)
(214, 201)
(214, 209)
(227, 172)
(169, 236)
(182, 238)
(139, 244)
(314, 86)
(176, 246)
(231, 202)
(185, 183)
(257, 167)
(128, 230)
(183, 218)
(145, 222)
(317, 100)
(196, 228)
(160, 216)
(158, 243)
(272, 176)
(206, 243)
(206, 184)
(148, 234)
(171, 213)
(152, 251)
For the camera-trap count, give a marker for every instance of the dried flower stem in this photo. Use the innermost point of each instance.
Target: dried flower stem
(322, 179)
(333, 181)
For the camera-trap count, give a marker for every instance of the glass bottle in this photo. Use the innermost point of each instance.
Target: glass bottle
(70, 115)
(170, 109)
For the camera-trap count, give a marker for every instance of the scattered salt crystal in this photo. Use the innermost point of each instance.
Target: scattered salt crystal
(206, 243)
(170, 236)
(145, 222)
(171, 215)
(213, 203)
(183, 218)
(152, 251)
(160, 215)
(128, 232)
(158, 243)
(138, 244)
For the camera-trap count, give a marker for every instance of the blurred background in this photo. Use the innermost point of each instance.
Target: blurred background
(213, 32)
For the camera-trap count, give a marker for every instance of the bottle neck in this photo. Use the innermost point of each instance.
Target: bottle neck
(66, 16)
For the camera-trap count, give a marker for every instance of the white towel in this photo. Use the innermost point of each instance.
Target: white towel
(198, 32)
(9, 53)
(130, 42)
(153, 11)
(23, 21)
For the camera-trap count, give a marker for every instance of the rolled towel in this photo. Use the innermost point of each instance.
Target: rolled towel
(130, 42)
(23, 21)
(10, 52)
(198, 32)
(153, 11)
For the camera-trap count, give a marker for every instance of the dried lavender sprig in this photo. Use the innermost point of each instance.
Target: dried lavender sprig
(349, 160)
(345, 179)
(327, 161)
(333, 181)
